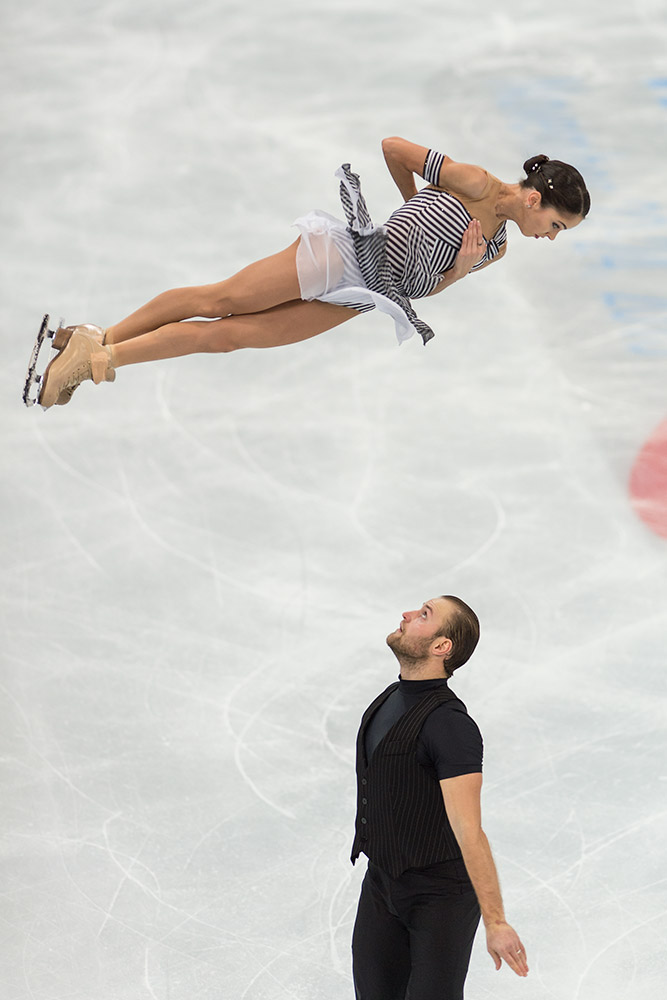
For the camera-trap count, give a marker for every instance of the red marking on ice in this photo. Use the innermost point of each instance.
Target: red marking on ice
(648, 482)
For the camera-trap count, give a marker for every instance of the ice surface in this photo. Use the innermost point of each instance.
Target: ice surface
(202, 560)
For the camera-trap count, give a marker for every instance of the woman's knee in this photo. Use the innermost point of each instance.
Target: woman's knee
(214, 300)
(217, 337)
(226, 298)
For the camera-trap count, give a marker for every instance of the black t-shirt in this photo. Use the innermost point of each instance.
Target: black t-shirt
(449, 741)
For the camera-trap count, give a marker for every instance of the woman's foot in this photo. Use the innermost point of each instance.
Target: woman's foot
(61, 339)
(64, 333)
(83, 358)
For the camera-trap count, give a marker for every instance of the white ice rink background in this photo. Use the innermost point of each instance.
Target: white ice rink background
(201, 561)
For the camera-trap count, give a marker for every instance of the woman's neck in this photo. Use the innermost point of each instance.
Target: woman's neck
(508, 202)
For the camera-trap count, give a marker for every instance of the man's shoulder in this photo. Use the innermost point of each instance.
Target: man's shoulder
(452, 713)
(451, 741)
(454, 705)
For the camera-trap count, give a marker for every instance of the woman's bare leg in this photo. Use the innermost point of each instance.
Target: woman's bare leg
(287, 323)
(259, 286)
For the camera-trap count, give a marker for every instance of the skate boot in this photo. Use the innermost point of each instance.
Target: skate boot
(83, 358)
(63, 334)
(61, 339)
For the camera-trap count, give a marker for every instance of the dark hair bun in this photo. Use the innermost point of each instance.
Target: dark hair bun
(534, 163)
(560, 185)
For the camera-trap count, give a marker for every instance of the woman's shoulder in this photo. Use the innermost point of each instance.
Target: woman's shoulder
(473, 183)
(465, 180)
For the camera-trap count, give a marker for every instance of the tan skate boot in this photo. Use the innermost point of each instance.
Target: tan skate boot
(81, 359)
(61, 339)
(64, 333)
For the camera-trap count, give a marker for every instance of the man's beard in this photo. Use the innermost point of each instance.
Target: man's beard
(408, 651)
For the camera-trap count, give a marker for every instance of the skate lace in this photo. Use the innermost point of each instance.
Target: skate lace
(84, 370)
(77, 376)
(68, 391)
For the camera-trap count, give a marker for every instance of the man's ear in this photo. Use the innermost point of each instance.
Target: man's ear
(442, 646)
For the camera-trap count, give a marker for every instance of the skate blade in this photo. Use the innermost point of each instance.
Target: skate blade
(34, 379)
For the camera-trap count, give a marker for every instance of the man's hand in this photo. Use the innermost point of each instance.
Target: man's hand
(503, 943)
(472, 250)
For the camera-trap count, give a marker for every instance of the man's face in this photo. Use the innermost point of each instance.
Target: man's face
(414, 636)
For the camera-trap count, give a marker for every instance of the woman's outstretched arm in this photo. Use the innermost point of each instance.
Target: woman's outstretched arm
(405, 159)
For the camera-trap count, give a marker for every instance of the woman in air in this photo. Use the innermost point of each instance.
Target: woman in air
(336, 270)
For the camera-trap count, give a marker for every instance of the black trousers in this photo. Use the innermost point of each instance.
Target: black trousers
(413, 935)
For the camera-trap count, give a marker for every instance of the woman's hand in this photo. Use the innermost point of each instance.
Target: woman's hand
(473, 248)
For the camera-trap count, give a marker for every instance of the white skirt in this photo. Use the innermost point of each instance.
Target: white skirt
(328, 270)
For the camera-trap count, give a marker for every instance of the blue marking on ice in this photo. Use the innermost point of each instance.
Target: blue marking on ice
(556, 98)
(626, 306)
(640, 316)
(659, 83)
(629, 258)
(644, 317)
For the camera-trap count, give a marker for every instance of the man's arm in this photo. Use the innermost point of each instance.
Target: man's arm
(462, 797)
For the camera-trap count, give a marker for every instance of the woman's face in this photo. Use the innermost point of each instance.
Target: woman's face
(540, 222)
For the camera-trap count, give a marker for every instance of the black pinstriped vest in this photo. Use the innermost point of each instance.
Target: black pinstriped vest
(401, 819)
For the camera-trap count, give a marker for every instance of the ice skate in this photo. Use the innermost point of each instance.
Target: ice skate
(34, 378)
(62, 338)
(63, 334)
(57, 339)
(83, 358)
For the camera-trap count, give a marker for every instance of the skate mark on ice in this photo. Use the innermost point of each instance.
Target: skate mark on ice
(241, 744)
(612, 944)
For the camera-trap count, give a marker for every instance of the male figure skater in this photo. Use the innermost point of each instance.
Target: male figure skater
(419, 777)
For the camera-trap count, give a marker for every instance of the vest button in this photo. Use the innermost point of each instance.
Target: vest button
(364, 802)
(363, 781)
(363, 819)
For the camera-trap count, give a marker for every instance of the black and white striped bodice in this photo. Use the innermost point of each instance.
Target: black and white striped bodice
(424, 236)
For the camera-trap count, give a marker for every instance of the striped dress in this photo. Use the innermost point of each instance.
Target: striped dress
(386, 266)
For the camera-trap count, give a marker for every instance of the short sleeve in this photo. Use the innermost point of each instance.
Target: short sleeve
(451, 743)
(432, 165)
